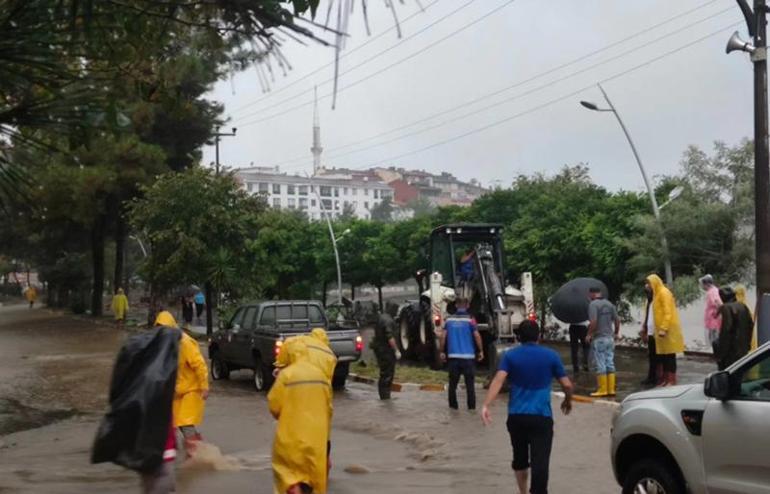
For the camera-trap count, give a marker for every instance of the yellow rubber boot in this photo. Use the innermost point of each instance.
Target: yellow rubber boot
(601, 380)
(611, 384)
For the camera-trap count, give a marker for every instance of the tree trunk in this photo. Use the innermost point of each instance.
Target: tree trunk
(209, 314)
(379, 294)
(97, 259)
(323, 292)
(120, 252)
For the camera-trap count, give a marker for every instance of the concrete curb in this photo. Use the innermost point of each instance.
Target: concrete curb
(412, 387)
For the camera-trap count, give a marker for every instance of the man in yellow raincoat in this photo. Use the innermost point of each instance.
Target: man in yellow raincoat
(31, 295)
(318, 351)
(192, 386)
(668, 330)
(301, 401)
(120, 307)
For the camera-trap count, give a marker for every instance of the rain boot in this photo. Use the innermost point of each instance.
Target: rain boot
(611, 384)
(601, 380)
(660, 376)
(671, 378)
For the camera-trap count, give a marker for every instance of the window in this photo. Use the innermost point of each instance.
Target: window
(312, 202)
(326, 203)
(276, 202)
(346, 204)
(315, 315)
(755, 381)
(303, 190)
(292, 203)
(336, 204)
(283, 313)
(237, 318)
(366, 204)
(290, 190)
(366, 192)
(376, 193)
(276, 188)
(248, 319)
(263, 188)
(268, 317)
(303, 202)
(312, 188)
(355, 191)
(250, 186)
(326, 191)
(336, 192)
(299, 312)
(355, 204)
(345, 191)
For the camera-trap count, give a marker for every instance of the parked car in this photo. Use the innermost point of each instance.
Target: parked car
(711, 438)
(252, 338)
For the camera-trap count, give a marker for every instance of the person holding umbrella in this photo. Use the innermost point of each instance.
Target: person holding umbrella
(603, 330)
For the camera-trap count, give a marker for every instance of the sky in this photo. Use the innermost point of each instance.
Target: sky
(490, 89)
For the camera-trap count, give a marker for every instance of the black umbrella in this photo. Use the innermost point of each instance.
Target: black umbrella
(570, 302)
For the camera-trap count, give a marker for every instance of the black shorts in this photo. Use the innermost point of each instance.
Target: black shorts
(531, 439)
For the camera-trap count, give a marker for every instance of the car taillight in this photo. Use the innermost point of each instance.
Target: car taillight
(437, 320)
(278, 345)
(532, 317)
(359, 343)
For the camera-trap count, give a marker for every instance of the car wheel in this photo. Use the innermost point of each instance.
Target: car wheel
(263, 376)
(219, 368)
(340, 378)
(652, 477)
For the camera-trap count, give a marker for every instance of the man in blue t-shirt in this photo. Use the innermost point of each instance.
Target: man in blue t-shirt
(530, 368)
(457, 343)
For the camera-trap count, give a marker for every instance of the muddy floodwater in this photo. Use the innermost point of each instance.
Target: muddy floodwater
(54, 375)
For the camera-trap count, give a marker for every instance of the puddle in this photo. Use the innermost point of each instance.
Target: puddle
(209, 457)
(15, 416)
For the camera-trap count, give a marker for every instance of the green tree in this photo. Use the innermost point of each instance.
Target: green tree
(382, 211)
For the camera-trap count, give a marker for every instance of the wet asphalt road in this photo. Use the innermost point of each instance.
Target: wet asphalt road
(54, 373)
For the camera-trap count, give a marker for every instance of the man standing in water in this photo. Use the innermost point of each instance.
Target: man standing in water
(457, 340)
(384, 346)
(530, 368)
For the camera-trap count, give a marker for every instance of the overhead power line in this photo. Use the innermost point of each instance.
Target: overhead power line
(553, 101)
(344, 54)
(507, 100)
(366, 78)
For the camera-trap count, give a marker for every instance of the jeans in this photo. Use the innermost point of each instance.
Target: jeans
(531, 440)
(604, 354)
(577, 340)
(466, 368)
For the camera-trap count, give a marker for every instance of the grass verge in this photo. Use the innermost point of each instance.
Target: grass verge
(404, 373)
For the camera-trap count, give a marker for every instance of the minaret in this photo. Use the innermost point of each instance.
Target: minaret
(316, 149)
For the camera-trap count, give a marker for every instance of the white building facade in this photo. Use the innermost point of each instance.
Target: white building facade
(315, 196)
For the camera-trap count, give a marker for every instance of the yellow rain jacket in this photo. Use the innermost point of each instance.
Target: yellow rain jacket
(30, 294)
(319, 352)
(668, 330)
(120, 305)
(191, 378)
(301, 401)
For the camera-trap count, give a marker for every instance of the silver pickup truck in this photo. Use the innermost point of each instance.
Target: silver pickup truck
(252, 337)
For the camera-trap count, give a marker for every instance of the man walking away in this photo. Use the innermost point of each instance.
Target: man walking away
(736, 331)
(577, 341)
(603, 329)
(200, 303)
(529, 369)
(384, 347)
(457, 340)
(120, 307)
(301, 401)
(654, 373)
(711, 320)
(31, 295)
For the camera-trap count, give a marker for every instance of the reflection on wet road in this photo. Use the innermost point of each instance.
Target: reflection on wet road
(55, 372)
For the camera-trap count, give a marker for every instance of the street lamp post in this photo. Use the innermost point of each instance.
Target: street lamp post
(217, 136)
(650, 191)
(756, 23)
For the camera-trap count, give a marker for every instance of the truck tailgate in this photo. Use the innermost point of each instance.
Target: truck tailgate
(343, 344)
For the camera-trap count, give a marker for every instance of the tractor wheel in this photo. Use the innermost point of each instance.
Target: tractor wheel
(404, 337)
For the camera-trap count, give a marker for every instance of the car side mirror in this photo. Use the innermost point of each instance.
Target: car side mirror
(718, 385)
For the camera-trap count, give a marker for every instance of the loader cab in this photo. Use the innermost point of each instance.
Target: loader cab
(449, 243)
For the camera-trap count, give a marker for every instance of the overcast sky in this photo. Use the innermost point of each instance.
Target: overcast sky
(694, 96)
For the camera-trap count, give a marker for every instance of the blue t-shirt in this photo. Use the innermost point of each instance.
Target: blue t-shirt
(531, 368)
(459, 335)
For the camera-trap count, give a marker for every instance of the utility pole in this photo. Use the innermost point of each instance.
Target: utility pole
(217, 136)
(756, 23)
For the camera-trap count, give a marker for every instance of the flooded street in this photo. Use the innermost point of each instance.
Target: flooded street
(55, 372)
